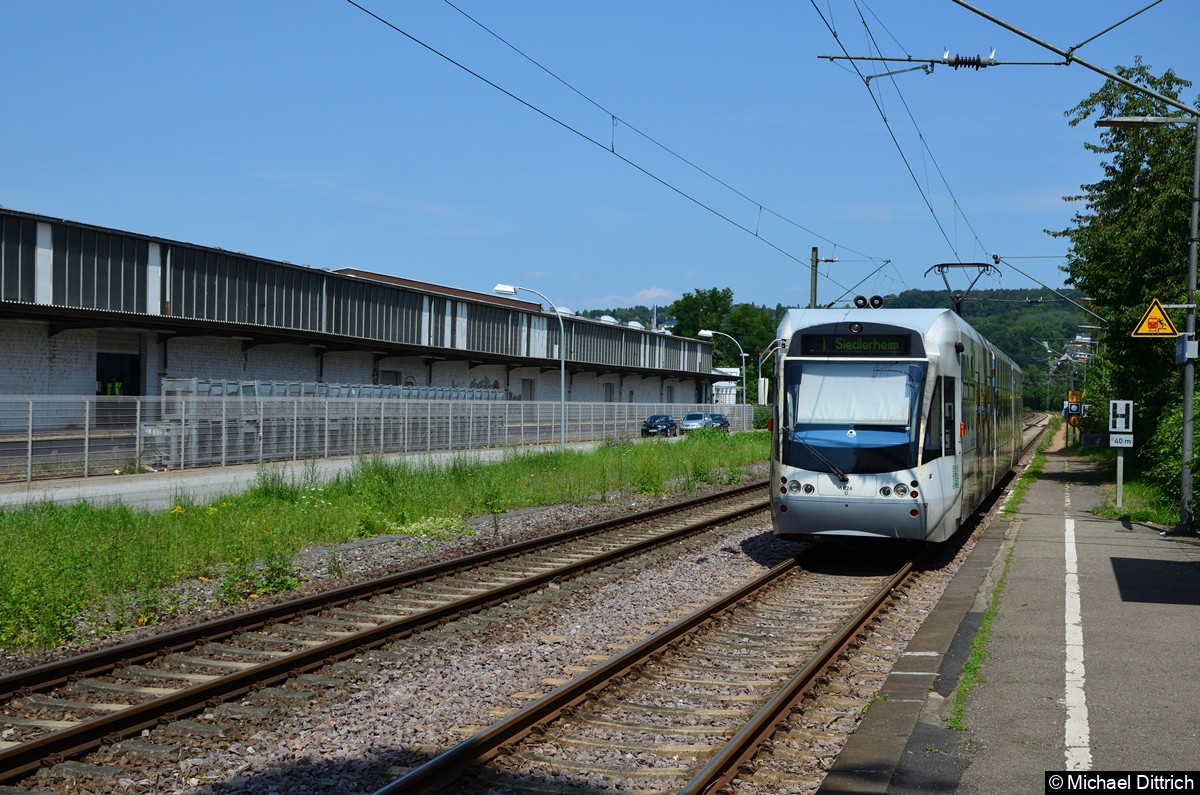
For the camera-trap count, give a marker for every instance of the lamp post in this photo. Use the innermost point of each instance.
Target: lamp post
(1050, 365)
(772, 349)
(707, 334)
(509, 289)
(1189, 366)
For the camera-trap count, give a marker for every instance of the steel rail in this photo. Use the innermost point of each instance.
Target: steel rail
(723, 767)
(447, 767)
(27, 757)
(1034, 437)
(57, 673)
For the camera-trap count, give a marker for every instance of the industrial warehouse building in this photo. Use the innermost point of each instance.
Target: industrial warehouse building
(85, 307)
(132, 350)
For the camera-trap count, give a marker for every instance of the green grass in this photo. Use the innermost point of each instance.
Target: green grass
(970, 673)
(1141, 500)
(67, 572)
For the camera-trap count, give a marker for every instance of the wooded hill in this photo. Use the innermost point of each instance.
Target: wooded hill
(1017, 321)
(1012, 319)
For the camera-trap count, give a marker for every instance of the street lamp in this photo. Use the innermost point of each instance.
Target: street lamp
(775, 347)
(1050, 365)
(707, 334)
(509, 289)
(1189, 365)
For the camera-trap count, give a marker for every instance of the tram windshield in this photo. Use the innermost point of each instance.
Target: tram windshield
(852, 417)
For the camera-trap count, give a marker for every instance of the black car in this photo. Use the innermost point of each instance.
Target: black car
(660, 425)
(719, 421)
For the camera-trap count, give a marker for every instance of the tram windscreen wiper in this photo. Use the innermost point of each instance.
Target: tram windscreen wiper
(817, 455)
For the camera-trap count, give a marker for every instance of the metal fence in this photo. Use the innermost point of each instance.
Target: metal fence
(45, 437)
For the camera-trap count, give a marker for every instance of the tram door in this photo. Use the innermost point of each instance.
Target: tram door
(952, 452)
(949, 421)
(942, 454)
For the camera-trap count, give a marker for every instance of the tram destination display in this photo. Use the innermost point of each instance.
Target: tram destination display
(848, 344)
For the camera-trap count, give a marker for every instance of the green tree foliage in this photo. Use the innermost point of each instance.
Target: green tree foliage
(754, 328)
(701, 309)
(1035, 327)
(640, 313)
(1129, 242)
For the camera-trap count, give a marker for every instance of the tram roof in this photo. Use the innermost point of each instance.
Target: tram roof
(921, 320)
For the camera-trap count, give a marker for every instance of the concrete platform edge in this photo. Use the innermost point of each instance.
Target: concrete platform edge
(906, 720)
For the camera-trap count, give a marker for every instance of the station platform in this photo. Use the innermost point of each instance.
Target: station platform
(1090, 665)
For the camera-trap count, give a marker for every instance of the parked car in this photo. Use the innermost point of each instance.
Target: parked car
(695, 420)
(660, 425)
(719, 421)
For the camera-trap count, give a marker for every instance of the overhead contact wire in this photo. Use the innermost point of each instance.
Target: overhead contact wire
(611, 147)
(891, 133)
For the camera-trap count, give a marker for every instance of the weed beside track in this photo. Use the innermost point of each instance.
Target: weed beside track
(78, 571)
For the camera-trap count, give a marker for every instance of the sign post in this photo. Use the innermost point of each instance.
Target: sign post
(1120, 436)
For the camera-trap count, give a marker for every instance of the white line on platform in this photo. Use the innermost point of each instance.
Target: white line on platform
(1078, 735)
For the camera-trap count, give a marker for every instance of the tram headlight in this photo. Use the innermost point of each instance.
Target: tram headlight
(900, 490)
(793, 487)
(885, 491)
(809, 488)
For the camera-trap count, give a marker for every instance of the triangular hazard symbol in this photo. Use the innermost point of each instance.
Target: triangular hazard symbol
(1155, 323)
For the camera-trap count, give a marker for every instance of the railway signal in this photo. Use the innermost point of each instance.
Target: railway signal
(1075, 408)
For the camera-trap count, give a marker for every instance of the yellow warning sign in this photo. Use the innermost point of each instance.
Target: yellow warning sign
(1155, 323)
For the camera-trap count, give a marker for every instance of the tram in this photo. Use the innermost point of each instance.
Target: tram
(888, 423)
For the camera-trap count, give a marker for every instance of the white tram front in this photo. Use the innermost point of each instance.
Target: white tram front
(888, 423)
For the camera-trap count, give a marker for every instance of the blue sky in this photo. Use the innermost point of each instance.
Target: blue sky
(312, 132)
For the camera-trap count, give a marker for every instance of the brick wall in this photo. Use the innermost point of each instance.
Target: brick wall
(32, 363)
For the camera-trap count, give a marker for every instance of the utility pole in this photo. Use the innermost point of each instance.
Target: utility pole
(812, 287)
(812, 290)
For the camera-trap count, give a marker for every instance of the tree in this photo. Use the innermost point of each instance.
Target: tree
(640, 313)
(701, 309)
(754, 328)
(1033, 326)
(1129, 243)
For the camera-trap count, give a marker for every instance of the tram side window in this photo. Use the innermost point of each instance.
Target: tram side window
(948, 425)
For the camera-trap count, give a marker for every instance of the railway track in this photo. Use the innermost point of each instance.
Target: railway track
(684, 709)
(64, 709)
(55, 712)
(1034, 428)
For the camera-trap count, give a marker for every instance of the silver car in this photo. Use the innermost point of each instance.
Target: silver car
(694, 420)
